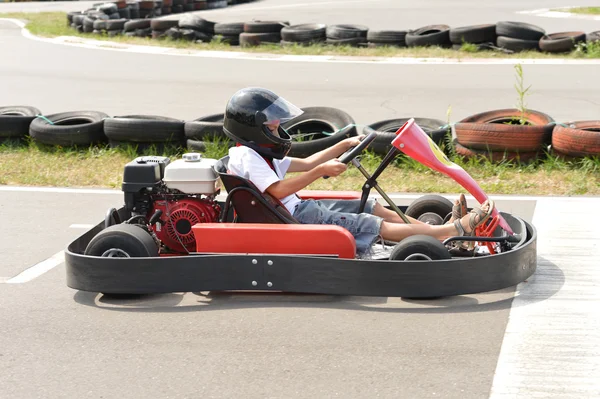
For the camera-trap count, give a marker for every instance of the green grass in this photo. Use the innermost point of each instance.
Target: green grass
(101, 166)
(582, 10)
(53, 24)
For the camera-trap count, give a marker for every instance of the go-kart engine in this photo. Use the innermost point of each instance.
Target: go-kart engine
(174, 228)
(171, 197)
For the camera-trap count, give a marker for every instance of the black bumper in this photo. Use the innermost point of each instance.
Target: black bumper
(302, 274)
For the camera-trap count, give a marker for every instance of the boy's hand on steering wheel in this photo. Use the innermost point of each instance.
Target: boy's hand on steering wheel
(333, 168)
(353, 141)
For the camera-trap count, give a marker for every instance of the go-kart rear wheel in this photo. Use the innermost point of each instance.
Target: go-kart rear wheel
(122, 241)
(431, 203)
(420, 247)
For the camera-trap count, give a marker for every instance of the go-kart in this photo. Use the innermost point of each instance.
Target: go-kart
(174, 234)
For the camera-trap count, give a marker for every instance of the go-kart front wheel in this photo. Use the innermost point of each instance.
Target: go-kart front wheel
(426, 207)
(122, 241)
(420, 247)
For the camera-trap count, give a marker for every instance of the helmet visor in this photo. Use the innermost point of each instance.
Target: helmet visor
(281, 111)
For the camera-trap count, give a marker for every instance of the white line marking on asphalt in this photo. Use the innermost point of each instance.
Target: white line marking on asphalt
(551, 346)
(59, 190)
(545, 12)
(38, 269)
(157, 50)
(81, 226)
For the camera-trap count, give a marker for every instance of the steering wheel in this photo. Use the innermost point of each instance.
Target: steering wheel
(355, 151)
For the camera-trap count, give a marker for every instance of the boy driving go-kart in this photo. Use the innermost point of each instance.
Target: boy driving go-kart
(253, 119)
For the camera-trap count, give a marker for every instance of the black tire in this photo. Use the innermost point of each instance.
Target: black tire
(395, 37)
(513, 44)
(123, 239)
(519, 30)
(88, 25)
(420, 247)
(340, 32)
(174, 33)
(475, 34)
(265, 26)
(131, 26)
(115, 24)
(195, 22)
(159, 24)
(78, 19)
(69, 128)
(313, 122)
(99, 25)
(229, 29)
(256, 39)
(429, 203)
(144, 128)
(304, 33)
(430, 35)
(205, 127)
(562, 42)
(125, 13)
(15, 120)
(70, 16)
(387, 132)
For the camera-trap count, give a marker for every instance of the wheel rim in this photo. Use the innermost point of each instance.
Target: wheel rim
(418, 256)
(431, 218)
(115, 253)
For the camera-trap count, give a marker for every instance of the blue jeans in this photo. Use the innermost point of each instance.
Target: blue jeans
(364, 227)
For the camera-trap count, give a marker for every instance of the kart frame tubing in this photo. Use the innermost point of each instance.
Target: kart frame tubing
(298, 273)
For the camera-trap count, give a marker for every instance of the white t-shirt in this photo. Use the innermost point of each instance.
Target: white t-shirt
(247, 163)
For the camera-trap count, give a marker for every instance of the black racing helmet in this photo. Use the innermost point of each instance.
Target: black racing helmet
(247, 114)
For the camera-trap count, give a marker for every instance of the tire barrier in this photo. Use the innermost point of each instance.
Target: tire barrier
(497, 135)
(126, 18)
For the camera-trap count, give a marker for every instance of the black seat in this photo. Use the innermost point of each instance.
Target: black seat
(249, 204)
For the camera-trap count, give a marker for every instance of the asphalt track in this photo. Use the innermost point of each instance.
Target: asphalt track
(56, 342)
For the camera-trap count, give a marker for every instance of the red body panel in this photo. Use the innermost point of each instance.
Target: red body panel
(322, 194)
(256, 238)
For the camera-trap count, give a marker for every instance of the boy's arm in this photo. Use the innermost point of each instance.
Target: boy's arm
(309, 163)
(292, 185)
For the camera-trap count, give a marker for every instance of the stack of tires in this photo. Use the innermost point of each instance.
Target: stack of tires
(229, 32)
(212, 4)
(518, 36)
(346, 35)
(202, 130)
(160, 27)
(576, 139)
(481, 35)
(318, 128)
(15, 121)
(386, 132)
(193, 27)
(303, 34)
(144, 131)
(561, 42)
(258, 32)
(504, 135)
(138, 28)
(384, 38)
(428, 36)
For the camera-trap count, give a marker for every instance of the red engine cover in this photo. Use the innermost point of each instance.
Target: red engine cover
(178, 217)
